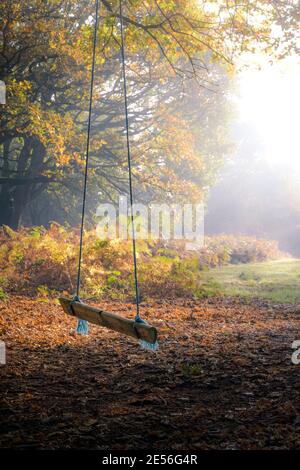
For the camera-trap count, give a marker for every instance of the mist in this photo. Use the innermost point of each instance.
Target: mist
(257, 192)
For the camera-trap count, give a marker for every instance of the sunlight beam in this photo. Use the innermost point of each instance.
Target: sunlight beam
(270, 100)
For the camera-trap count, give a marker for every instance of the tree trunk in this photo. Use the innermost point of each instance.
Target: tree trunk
(21, 184)
(20, 201)
(5, 193)
(13, 198)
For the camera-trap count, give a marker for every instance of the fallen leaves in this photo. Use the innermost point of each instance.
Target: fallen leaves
(222, 378)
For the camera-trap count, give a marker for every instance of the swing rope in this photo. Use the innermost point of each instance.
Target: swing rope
(129, 159)
(138, 319)
(82, 325)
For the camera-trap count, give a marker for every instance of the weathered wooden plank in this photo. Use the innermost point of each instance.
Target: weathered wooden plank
(109, 320)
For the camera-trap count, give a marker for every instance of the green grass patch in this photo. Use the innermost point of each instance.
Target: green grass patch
(278, 281)
(3, 294)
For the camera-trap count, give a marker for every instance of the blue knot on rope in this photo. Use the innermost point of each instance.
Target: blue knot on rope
(138, 319)
(82, 325)
(144, 344)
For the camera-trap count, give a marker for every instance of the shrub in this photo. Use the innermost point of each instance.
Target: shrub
(39, 261)
(225, 249)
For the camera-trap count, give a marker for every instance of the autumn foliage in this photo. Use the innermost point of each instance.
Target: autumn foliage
(180, 57)
(44, 261)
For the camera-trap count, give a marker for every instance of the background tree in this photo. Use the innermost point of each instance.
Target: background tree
(45, 55)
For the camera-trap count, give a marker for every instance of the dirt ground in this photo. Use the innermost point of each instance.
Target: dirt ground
(222, 379)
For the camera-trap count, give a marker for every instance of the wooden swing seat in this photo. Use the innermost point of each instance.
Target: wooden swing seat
(112, 321)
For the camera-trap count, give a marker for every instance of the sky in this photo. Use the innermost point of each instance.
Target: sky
(268, 98)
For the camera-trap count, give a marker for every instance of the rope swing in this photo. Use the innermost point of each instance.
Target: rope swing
(137, 328)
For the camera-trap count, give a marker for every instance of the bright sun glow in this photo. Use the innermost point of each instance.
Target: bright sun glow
(270, 100)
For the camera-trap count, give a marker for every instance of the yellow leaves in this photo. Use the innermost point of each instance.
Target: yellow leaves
(98, 143)
(57, 38)
(17, 91)
(63, 160)
(56, 132)
(77, 158)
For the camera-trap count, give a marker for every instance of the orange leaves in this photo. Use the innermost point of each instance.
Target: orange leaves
(56, 132)
(173, 152)
(220, 380)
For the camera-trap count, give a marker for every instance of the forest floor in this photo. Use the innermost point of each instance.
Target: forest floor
(223, 378)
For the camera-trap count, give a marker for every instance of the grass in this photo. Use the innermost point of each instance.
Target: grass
(278, 281)
(3, 294)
